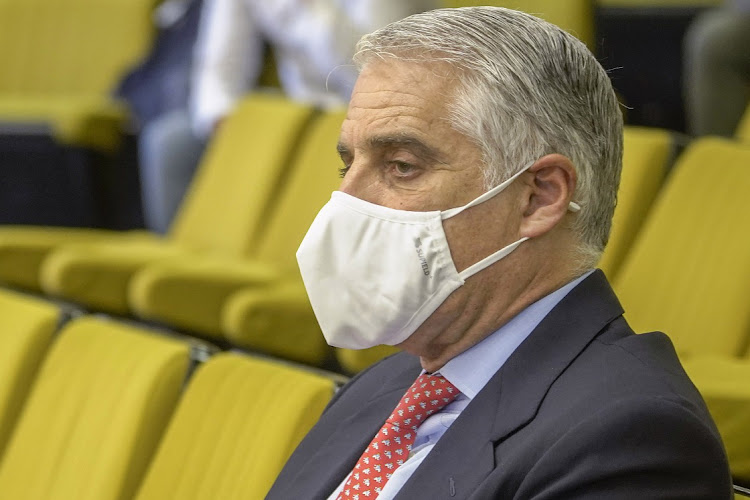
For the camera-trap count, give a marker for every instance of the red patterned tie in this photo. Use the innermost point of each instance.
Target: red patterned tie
(391, 446)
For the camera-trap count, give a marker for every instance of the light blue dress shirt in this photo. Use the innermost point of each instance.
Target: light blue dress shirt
(469, 372)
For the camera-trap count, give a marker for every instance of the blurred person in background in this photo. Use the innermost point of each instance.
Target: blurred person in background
(312, 42)
(160, 82)
(717, 69)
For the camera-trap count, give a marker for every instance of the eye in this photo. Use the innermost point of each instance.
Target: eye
(346, 159)
(403, 169)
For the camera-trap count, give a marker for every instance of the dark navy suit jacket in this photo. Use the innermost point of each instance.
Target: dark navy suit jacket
(583, 409)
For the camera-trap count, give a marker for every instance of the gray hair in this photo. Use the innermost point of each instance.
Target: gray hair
(526, 88)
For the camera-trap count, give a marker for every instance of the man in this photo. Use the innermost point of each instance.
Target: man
(531, 384)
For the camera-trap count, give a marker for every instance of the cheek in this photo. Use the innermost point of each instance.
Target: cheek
(481, 231)
(465, 240)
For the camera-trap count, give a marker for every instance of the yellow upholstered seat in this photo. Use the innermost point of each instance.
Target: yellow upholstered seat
(276, 320)
(646, 156)
(26, 328)
(224, 211)
(61, 60)
(234, 429)
(574, 16)
(190, 293)
(688, 274)
(96, 274)
(279, 320)
(725, 385)
(24, 248)
(95, 415)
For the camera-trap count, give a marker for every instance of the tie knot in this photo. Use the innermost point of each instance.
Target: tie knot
(391, 446)
(427, 395)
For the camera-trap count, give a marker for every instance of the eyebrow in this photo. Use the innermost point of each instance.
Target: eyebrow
(406, 141)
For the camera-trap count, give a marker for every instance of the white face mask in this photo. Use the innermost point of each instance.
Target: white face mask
(375, 274)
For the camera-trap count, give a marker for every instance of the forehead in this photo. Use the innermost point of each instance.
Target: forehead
(401, 96)
(400, 113)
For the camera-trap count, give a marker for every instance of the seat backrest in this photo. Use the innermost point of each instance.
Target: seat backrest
(646, 157)
(70, 47)
(574, 16)
(743, 129)
(228, 201)
(26, 328)
(313, 176)
(688, 272)
(237, 424)
(95, 414)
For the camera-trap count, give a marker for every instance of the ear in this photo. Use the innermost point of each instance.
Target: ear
(550, 190)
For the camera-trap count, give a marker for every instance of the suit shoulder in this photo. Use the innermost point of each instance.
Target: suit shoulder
(649, 359)
(645, 443)
(622, 366)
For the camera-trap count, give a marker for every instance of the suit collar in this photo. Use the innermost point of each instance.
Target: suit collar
(472, 369)
(464, 456)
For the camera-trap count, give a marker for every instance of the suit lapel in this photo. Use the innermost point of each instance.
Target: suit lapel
(337, 456)
(553, 345)
(465, 455)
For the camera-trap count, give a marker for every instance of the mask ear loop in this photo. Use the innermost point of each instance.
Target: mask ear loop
(490, 259)
(452, 212)
(447, 214)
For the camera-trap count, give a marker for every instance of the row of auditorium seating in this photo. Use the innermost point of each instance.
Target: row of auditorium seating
(226, 272)
(186, 279)
(235, 281)
(95, 409)
(264, 199)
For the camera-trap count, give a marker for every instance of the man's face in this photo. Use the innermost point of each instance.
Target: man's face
(398, 144)
(400, 151)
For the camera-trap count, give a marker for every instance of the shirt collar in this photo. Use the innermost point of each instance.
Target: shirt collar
(472, 369)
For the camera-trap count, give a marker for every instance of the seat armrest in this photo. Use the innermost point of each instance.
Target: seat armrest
(277, 320)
